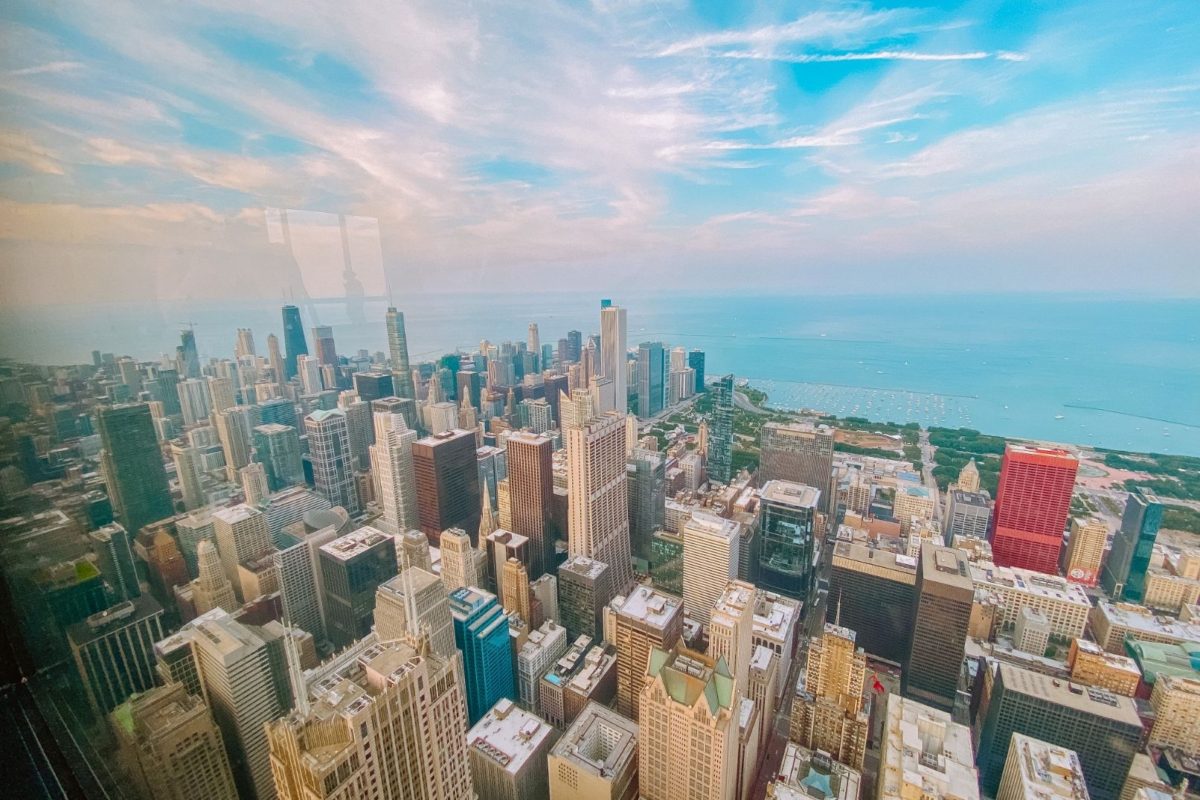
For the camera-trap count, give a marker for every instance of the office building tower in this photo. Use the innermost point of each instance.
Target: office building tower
(459, 562)
(352, 568)
(613, 353)
(329, 450)
(414, 603)
(598, 504)
(130, 376)
(360, 429)
(113, 650)
(277, 447)
(584, 589)
(276, 360)
(787, 550)
(1124, 575)
(827, 712)
(1037, 770)
(968, 515)
(221, 394)
(383, 719)
(508, 749)
(412, 548)
(763, 687)
(253, 478)
(537, 655)
(688, 729)
(1103, 728)
(132, 466)
(1085, 550)
(373, 385)
(533, 341)
(392, 469)
(300, 584)
(241, 534)
(800, 453)
(170, 746)
(586, 673)
(710, 561)
(398, 350)
(244, 346)
(293, 341)
(1176, 703)
(308, 370)
(530, 487)
(731, 627)
(652, 373)
(481, 634)
(234, 427)
(636, 624)
(596, 759)
(1031, 634)
(647, 480)
(192, 529)
(325, 350)
(212, 588)
(512, 583)
(924, 753)
(1091, 665)
(189, 358)
(804, 773)
(875, 593)
(945, 593)
(574, 345)
(115, 553)
(776, 619)
(447, 483)
(720, 432)
(695, 361)
(1065, 605)
(278, 411)
(1033, 499)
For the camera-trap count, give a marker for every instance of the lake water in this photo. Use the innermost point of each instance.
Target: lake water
(1110, 372)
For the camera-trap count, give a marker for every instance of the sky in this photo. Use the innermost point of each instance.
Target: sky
(147, 149)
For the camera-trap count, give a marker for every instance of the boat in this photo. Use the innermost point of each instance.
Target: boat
(1058, 416)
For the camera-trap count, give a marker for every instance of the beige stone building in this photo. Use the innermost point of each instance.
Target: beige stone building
(827, 712)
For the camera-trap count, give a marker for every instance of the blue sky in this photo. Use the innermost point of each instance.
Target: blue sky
(827, 147)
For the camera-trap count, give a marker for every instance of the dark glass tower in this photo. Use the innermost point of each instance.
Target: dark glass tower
(786, 535)
(293, 340)
(696, 362)
(133, 466)
(651, 371)
(1124, 575)
(945, 593)
(188, 356)
(398, 350)
(720, 432)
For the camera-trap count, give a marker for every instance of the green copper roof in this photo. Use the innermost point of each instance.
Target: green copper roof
(1180, 660)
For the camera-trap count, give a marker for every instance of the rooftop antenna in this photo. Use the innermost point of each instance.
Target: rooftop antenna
(837, 617)
(295, 673)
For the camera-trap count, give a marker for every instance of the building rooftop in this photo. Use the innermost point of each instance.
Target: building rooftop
(789, 493)
(707, 524)
(1111, 660)
(965, 498)
(584, 566)
(1053, 587)
(1139, 618)
(946, 566)
(1048, 772)
(760, 659)
(1157, 658)
(775, 616)
(324, 414)
(235, 514)
(600, 742)
(1087, 699)
(687, 675)
(509, 735)
(902, 567)
(123, 614)
(355, 543)
(926, 751)
(808, 775)
(648, 606)
(270, 428)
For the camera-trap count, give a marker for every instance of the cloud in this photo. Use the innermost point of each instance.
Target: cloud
(814, 27)
(878, 55)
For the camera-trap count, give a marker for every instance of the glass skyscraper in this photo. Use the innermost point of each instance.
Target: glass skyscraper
(696, 362)
(133, 466)
(786, 535)
(293, 339)
(652, 384)
(720, 432)
(1124, 574)
(481, 634)
(398, 350)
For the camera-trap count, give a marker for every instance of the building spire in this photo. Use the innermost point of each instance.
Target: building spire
(487, 520)
(295, 673)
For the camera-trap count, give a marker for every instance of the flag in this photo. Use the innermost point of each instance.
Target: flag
(878, 687)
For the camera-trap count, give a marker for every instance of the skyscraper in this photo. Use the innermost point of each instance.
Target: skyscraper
(241, 534)
(460, 564)
(688, 729)
(293, 341)
(352, 568)
(720, 432)
(1033, 499)
(530, 485)
(945, 593)
(278, 448)
(731, 627)
(382, 719)
(329, 449)
(801, 453)
(647, 479)
(234, 430)
(874, 592)
(447, 484)
(696, 362)
(651, 384)
(114, 651)
(326, 350)
(212, 588)
(598, 500)
(189, 358)
(392, 468)
(412, 602)
(112, 547)
(398, 350)
(787, 550)
(827, 713)
(1133, 546)
(245, 343)
(710, 561)
(596, 759)
(1085, 550)
(132, 466)
(508, 750)
(637, 624)
(612, 353)
(481, 634)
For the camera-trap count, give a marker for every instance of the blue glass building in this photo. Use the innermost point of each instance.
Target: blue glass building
(696, 362)
(1124, 575)
(481, 634)
(294, 342)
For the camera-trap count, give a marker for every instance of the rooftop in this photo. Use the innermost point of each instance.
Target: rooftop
(1086, 699)
(1052, 587)
(508, 735)
(775, 615)
(790, 493)
(355, 543)
(1140, 618)
(1047, 770)
(649, 606)
(808, 775)
(1157, 658)
(707, 524)
(962, 497)
(926, 749)
(600, 742)
(584, 566)
(235, 514)
(688, 675)
(904, 568)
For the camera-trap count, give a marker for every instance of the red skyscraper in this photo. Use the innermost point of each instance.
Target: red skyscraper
(1032, 503)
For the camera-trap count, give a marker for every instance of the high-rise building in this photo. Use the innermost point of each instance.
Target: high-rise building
(598, 504)
(647, 480)
(189, 357)
(234, 428)
(710, 561)
(801, 453)
(787, 550)
(481, 634)
(874, 592)
(352, 568)
(293, 341)
(596, 759)
(541, 649)
(300, 583)
(326, 350)
(508, 749)
(308, 370)
(193, 401)
(115, 553)
(1085, 550)
(827, 712)
(1176, 703)
(925, 754)
(696, 362)
(1033, 499)
(253, 478)
(652, 384)
(329, 449)
(278, 448)
(731, 628)
(720, 432)
(1103, 728)
(171, 747)
(244, 346)
(447, 483)
(688, 729)
(613, 351)
(459, 561)
(968, 515)
(412, 603)
(637, 624)
(392, 469)
(398, 350)
(187, 471)
(530, 487)
(132, 465)
(382, 719)
(1037, 770)
(114, 651)
(945, 593)
(373, 385)
(584, 589)
(241, 534)
(1124, 575)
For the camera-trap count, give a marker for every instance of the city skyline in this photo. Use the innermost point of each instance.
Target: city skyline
(959, 146)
